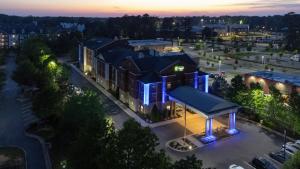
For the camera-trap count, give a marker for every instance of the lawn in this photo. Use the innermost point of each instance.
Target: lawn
(12, 158)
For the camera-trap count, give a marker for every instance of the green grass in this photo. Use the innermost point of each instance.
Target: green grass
(242, 54)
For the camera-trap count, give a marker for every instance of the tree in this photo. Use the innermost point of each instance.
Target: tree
(237, 83)
(294, 102)
(191, 162)
(220, 87)
(26, 73)
(293, 33)
(293, 163)
(249, 48)
(136, 146)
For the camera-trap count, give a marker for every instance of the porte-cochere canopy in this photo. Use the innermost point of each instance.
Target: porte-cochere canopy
(206, 105)
(201, 102)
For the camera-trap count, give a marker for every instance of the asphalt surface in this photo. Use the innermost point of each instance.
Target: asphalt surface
(111, 109)
(12, 132)
(252, 141)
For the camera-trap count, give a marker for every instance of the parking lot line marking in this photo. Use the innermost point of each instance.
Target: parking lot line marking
(28, 107)
(26, 111)
(278, 164)
(249, 165)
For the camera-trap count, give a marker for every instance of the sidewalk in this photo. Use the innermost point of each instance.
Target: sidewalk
(112, 98)
(122, 106)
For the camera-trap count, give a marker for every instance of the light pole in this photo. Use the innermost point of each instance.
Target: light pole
(262, 59)
(220, 62)
(284, 144)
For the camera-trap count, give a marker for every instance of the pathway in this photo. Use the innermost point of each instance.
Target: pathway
(12, 132)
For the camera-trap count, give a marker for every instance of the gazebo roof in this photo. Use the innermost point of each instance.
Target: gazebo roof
(206, 103)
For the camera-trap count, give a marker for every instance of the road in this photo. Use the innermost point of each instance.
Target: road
(12, 132)
(227, 65)
(113, 111)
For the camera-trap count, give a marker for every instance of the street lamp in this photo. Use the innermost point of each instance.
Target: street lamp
(262, 59)
(220, 62)
(284, 153)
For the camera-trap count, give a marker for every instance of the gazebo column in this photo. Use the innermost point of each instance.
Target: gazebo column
(209, 137)
(232, 125)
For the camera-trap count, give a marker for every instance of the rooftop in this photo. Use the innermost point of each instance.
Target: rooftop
(96, 43)
(148, 42)
(204, 102)
(279, 77)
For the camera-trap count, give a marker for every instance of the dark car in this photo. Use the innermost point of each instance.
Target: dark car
(279, 156)
(261, 163)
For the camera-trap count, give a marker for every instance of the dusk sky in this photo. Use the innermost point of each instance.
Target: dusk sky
(104, 8)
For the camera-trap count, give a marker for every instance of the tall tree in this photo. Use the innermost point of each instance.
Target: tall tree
(293, 34)
(191, 162)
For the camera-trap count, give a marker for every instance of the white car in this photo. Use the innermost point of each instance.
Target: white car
(289, 151)
(297, 142)
(293, 145)
(234, 166)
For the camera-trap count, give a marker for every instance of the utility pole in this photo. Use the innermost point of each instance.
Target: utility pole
(184, 121)
(284, 144)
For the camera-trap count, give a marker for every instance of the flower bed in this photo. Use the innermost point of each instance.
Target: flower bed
(181, 145)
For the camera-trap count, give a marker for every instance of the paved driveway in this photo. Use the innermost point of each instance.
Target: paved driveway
(111, 109)
(11, 123)
(239, 149)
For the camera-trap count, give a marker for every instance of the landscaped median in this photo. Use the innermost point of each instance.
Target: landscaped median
(12, 157)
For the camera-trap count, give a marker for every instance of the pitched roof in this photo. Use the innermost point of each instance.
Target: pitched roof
(116, 55)
(97, 43)
(204, 102)
(158, 63)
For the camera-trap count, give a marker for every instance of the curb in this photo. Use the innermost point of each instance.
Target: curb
(267, 128)
(45, 149)
(117, 102)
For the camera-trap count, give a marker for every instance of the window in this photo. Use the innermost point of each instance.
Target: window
(142, 108)
(169, 85)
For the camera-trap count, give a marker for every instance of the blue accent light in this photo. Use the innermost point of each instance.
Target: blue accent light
(206, 83)
(232, 130)
(209, 137)
(163, 100)
(196, 80)
(146, 94)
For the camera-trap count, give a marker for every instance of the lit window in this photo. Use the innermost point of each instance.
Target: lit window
(169, 85)
(142, 108)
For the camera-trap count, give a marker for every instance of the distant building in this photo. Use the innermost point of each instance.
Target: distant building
(285, 83)
(152, 44)
(223, 29)
(13, 39)
(3, 40)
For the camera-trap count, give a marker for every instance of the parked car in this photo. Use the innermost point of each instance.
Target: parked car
(293, 146)
(234, 166)
(279, 156)
(261, 163)
(289, 151)
(297, 142)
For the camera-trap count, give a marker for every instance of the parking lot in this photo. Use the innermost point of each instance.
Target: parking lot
(252, 141)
